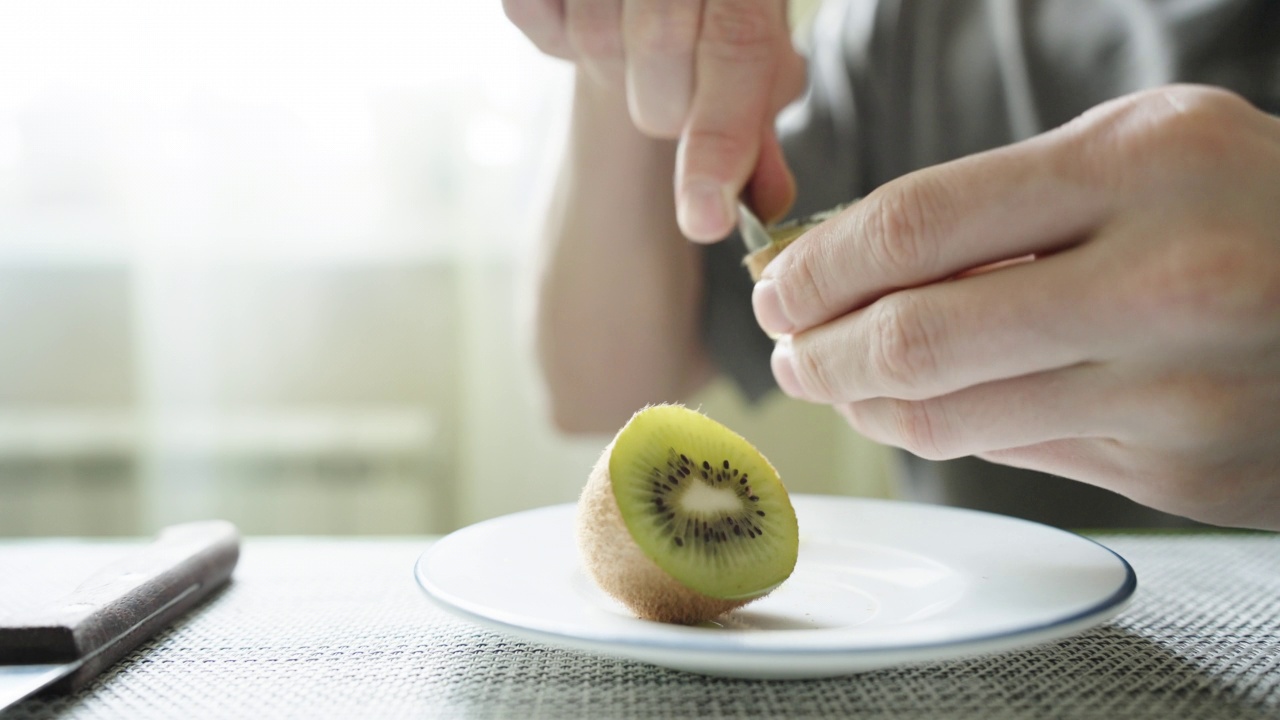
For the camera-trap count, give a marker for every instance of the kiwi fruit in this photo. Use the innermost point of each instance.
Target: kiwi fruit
(782, 234)
(682, 519)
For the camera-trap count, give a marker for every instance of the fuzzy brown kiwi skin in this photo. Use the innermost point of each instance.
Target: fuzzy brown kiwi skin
(620, 567)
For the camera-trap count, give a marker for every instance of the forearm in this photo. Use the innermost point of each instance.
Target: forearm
(619, 288)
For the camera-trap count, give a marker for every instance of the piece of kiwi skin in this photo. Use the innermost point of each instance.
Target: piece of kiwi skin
(720, 537)
(782, 235)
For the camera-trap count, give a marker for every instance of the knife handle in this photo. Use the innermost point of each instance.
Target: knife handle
(126, 602)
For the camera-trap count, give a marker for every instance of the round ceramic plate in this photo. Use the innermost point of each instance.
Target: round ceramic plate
(878, 583)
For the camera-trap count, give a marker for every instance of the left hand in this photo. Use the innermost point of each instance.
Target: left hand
(711, 73)
(1139, 350)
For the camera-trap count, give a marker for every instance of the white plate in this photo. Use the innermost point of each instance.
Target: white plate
(878, 583)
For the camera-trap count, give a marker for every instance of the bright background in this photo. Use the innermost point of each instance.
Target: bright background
(266, 260)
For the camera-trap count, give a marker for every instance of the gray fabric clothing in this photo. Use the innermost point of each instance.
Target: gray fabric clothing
(897, 85)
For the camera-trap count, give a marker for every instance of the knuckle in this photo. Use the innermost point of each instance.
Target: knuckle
(802, 285)
(897, 230)
(663, 33)
(739, 30)
(818, 375)
(1190, 129)
(901, 355)
(595, 34)
(715, 152)
(919, 429)
(1170, 134)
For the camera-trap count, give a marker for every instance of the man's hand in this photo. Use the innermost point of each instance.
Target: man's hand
(1139, 350)
(712, 73)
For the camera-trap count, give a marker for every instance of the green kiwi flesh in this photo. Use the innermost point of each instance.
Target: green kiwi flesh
(682, 519)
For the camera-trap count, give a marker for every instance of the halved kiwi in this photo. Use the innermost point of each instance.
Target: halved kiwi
(682, 519)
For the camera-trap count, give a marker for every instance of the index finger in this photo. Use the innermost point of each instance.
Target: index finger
(744, 52)
(930, 225)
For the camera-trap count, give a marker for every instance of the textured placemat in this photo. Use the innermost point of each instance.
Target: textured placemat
(329, 628)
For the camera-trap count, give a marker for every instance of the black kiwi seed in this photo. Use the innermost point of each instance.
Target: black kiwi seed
(709, 535)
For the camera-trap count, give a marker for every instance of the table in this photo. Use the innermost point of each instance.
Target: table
(328, 628)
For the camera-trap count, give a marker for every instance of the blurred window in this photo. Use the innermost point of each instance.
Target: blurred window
(246, 129)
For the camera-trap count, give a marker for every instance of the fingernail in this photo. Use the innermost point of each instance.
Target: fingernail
(703, 211)
(768, 306)
(784, 371)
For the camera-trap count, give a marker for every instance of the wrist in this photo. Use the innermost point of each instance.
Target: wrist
(602, 117)
(606, 142)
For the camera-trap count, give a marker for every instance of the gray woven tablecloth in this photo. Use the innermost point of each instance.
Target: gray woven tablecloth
(337, 628)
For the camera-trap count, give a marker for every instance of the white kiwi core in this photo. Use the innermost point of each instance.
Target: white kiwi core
(701, 499)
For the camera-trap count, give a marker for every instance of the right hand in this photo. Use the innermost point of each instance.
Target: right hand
(711, 73)
(1125, 330)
